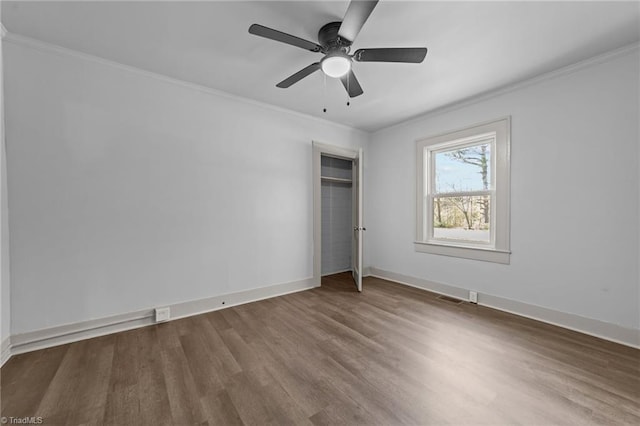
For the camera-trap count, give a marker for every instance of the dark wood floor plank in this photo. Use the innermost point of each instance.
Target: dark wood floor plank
(123, 405)
(152, 387)
(220, 410)
(221, 358)
(331, 355)
(203, 364)
(217, 320)
(58, 404)
(184, 400)
(249, 401)
(25, 379)
(90, 394)
(351, 388)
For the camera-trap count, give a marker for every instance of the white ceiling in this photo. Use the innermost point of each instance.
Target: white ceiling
(474, 47)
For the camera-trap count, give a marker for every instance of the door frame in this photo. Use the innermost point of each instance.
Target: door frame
(320, 149)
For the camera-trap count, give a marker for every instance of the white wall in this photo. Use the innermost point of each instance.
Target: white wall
(5, 294)
(129, 192)
(5, 282)
(574, 204)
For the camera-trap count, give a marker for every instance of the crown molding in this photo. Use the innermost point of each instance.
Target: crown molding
(43, 46)
(550, 75)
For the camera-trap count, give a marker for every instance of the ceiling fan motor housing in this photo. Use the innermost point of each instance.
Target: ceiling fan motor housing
(330, 40)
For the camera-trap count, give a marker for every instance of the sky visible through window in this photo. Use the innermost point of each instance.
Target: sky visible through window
(455, 175)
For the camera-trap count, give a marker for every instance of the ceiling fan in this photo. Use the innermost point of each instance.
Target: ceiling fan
(334, 41)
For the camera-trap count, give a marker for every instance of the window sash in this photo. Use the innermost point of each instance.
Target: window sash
(428, 220)
(431, 193)
(430, 159)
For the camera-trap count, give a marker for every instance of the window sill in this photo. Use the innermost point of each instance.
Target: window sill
(464, 252)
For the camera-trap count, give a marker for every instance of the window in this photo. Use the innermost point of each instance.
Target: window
(463, 193)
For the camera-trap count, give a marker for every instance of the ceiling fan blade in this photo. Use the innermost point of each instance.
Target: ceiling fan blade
(350, 82)
(357, 14)
(276, 35)
(413, 55)
(299, 75)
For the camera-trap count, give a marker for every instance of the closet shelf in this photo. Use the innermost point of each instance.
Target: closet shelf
(334, 179)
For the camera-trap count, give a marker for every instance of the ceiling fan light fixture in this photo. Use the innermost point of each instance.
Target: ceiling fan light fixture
(336, 65)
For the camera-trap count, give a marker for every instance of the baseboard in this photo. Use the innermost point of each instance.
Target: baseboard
(69, 333)
(5, 350)
(196, 307)
(604, 330)
(54, 336)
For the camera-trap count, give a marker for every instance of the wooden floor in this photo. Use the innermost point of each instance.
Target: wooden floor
(390, 355)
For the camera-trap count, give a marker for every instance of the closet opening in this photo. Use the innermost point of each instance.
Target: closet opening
(337, 212)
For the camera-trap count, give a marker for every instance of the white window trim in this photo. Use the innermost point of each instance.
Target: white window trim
(498, 250)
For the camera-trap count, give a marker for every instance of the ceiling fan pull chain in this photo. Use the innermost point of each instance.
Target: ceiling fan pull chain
(324, 92)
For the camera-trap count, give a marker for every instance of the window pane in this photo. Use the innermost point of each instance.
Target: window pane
(465, 169)
(465, 218)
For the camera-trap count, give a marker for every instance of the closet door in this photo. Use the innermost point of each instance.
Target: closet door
(357, 226)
